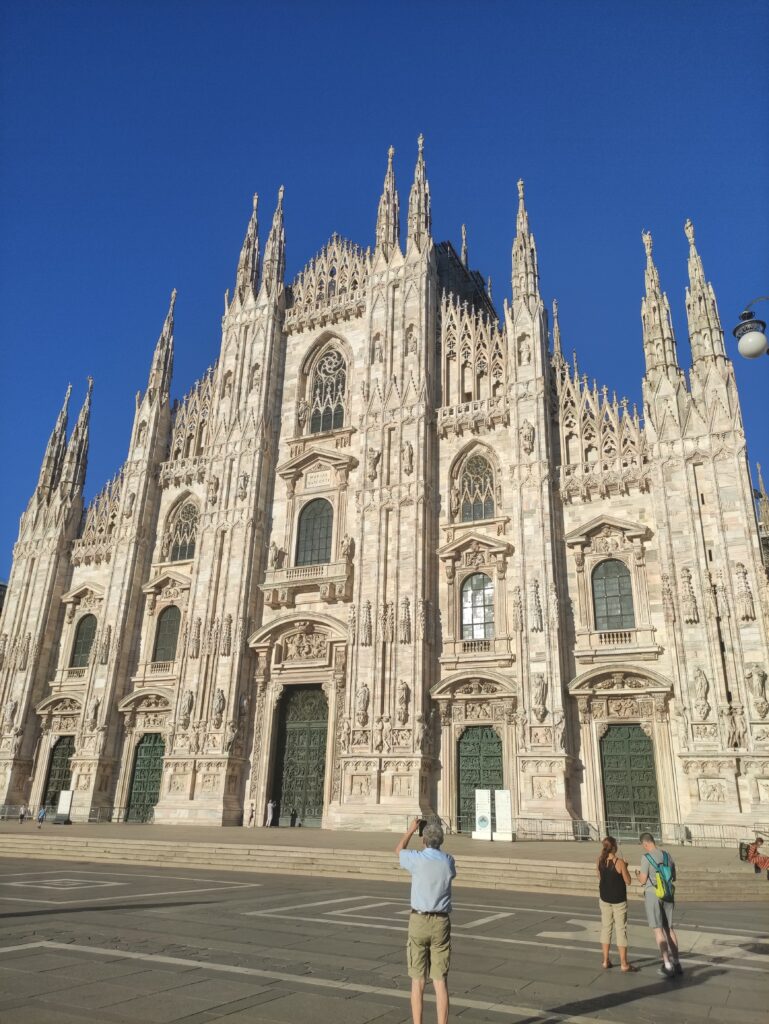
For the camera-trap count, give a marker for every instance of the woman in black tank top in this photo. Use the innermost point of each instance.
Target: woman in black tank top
(613, 880)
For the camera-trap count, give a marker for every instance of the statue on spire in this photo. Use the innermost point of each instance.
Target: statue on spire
(247, 275)
(658, 338)
(420, 215)
(275, 250)
(706, 336)
(525, 271)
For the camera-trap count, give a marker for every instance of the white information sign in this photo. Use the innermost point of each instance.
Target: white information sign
(64, 807)
(503, 806)
(482, 814)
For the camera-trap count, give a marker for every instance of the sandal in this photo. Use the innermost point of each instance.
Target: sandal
(629, 969)
(606, 964)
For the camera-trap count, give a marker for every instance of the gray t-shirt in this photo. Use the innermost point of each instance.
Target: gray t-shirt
(656, 855)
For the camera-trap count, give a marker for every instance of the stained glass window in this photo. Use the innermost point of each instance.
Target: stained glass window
(84, 638)
(477, 607)
(313, 546)
(328, 391)
(612, 596)
(183, 529)
(477, 490)
(167, 634)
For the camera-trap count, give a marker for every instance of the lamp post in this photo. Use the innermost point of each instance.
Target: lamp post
(750, 332)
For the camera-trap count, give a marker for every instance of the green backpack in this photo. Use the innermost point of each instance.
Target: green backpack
(665, 888)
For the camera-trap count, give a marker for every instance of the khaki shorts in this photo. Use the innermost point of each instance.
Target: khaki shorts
(428, 949)
(613, 919)
(658, 914)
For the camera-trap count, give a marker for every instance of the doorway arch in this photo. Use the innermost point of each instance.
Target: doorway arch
(300, 767)
(479, 766)
(146, 778)
(59, 776)
(631, 800)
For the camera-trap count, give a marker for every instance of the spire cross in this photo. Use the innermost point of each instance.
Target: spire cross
(647, 241)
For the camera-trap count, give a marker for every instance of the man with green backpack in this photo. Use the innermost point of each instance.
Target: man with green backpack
(657, 875)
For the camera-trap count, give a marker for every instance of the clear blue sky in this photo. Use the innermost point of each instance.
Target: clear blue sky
(134, 134)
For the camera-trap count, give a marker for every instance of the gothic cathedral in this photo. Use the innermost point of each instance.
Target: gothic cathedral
(391, 548)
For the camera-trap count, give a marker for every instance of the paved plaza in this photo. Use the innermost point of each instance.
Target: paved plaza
(116, 943)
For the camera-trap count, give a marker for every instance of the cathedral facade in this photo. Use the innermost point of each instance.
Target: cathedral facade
(393, 547)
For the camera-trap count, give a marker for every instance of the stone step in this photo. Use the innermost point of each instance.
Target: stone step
(569, 878)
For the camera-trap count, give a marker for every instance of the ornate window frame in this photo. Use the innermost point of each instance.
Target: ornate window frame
(602, 538)
(170, 528)
(85, 599)
(326, 343)
(475, 553)
(164, 589)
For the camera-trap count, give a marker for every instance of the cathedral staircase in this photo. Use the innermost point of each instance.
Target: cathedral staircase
(567, 875)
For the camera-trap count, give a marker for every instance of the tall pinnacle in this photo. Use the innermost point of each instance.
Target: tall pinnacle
(525, 272)
(420, 214)
(388, 220)
(76, 458)
(464, 244)
(247, 276)
(163, 357)
(763, 504)
(54, 452)
(275, 249)
(658, 338)
(705, 333)
(557, 353)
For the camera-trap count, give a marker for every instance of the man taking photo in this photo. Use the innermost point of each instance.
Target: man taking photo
(428, 949)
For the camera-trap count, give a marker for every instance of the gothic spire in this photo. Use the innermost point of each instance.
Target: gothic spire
(557, 353)
(388, 221)
(247, 276)
(163, 357)
(275, 250)
(420, 216)
(76, 458)
(705, 333)
(54, 452)
(464, 244)
(763, 504)
(658, 338)
(525, 272)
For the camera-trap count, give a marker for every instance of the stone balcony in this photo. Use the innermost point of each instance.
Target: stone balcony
(605, 645)
(494, 651)
(332, 581)
(475, 416)
(152, 672)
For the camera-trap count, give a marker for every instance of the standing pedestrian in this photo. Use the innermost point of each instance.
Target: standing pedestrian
(270, 812)
(40, 817)
(657, 875)
(428, 948)
(613, 880)
(251, 816)
(22, 814)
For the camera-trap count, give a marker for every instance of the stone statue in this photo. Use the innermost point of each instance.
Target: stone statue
(9, 713)
(361, 704)
(559, 731)
(404, 624)
(378, 733)
(755, 678)
(188, 703)
(347, 547)
(420, 731)
(407, 457)
(232, 735)
(93, 712)
(403, 698)
(454, 501)
(220, 703)
(373, 456)
(344, 736)
(539, 696)
(387, 734)
(274, 555)
(302, 412)
(701, 691)
(521, 723)
(18, 735)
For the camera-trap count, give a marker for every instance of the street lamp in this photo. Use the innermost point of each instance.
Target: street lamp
(750, 332)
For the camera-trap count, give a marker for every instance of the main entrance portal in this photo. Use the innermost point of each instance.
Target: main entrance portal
(59, 771)
(301, 761)
(148, 772)
(479, 767)
(629, 782)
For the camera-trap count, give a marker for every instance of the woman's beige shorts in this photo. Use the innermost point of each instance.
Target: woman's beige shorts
(613, 918)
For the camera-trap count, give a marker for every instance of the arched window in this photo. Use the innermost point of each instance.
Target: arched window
(182, 530)
(84, 638)
(313, 545)
(478, 608)
(612, 596)
(477, 489)
(329, 383)
(167, 634)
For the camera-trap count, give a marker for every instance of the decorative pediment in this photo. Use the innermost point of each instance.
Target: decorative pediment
(86, 595)
(58, 705)
(606, 534)
(146, 700)
(168, 580)
(463, 686)
(475, 550)
(274, 632)
(315, 459)
(624, 679)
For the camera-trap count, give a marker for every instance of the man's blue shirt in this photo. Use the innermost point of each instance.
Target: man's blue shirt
(431, 874)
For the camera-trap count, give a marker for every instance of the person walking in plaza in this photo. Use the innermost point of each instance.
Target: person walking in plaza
(657, 875)
(755, 857)
(613, 880)
(22, 814)
(428, 947)
(40, 817)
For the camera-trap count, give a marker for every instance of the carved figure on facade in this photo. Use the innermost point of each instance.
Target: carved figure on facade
(701, 691)
(93, 713)
(517, 610)
(366, 626)
(712, 790)
(197, 627)
(377, 734)
(755, 679)
(362, 698)
(559, 730)
(404, 621)
(9, 713)
(302, 412)
(734, 726)
(521, 725)
(535, 609)
(306, 644)
(212, 491)
(552, 607)
(352, 624)
(526, 434)
(539, 696)
(403, 697)
(422, 619)
(345, 732)
(689, 611)
(388, 617)
(220, 703)
(373, 457)
(225, 645)
(746, 610)
(188, 703)
(407, 457)
(668, 604)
